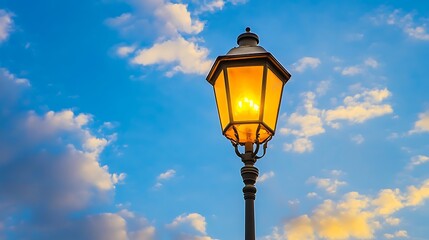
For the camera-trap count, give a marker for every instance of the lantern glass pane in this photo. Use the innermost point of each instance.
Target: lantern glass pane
(221, 101)
(273, 90)
(245, 89)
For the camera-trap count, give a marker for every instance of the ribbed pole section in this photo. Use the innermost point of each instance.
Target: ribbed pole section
(249, 173)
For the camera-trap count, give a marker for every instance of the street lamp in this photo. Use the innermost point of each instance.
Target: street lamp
(248, 84)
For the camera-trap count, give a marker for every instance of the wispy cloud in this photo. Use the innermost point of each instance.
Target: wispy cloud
(330, 185)
(358, 139)
(165, 176)
(371, 62)
(125, 51)
(393, 221)
(265, 176)
(6, 24)
(418, 160)
(309, 121)
(414, 28)
(421, 125)
(312, 194)
(407, 23)
(351, 71)
(5, 75)
(323, 87)
(359, 68)
(398, 234)
(306, 62)
(211, 6)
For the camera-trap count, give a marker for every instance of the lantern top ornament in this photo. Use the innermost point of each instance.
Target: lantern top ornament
(247, 44)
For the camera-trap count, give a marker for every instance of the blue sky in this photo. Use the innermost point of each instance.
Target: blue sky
(109, 130)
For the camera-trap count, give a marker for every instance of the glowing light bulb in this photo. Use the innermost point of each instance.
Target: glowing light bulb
(246, 104)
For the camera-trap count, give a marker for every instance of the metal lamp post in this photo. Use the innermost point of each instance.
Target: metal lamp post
(248, 84)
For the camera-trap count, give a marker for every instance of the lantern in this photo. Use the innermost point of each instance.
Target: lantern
(248, 84)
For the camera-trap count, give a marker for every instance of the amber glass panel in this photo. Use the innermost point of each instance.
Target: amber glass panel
(221, 101)
(245, 87)
(247, 133)
(273, 90)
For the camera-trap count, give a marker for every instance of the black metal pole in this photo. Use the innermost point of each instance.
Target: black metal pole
(249, 173)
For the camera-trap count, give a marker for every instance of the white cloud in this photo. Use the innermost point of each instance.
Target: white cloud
(299, 228)
(361, 107)
(106, 226)
(328, 184)
(418, 32)
(421, 125)
(351, 71)
(5, 75)
(397, 234)
(401, 233)
(406, 23)
(323, 87)
(118, 178)
(235, 2)
(308, 121)
(125, 51)
(358, 139)
(305, 63)
(393, 221)
(307, 124)
(177, 19)
(303, 125)
(265, 176)
(336, 173)
(300, 145)
(355, 216)
(77, 161)
(212, 6)
(388, 202)
(185, 56)
(371, 62)
(11, 88)
(174, 29)
(120, 20)
(167, 175)
(50, 166)
(163, 18)
(312, 195)
(6, 24)
(196, 221)
(417, 195)
(147, 233)
(418, 160)
(293, 203)
(358, 69)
